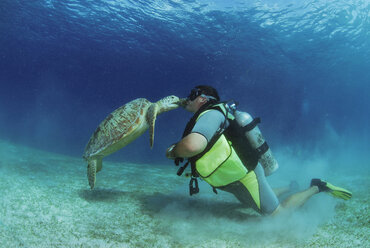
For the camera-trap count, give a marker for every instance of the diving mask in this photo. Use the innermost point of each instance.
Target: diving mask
(194, 93)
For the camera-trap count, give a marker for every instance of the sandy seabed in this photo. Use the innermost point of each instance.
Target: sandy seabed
(46, 202)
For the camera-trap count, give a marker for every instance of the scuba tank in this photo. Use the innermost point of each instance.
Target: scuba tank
(256, 140)
(248, 140)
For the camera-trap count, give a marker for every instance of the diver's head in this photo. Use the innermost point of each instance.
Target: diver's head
(200, 95)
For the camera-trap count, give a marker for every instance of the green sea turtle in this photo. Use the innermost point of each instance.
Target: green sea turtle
(123, 126)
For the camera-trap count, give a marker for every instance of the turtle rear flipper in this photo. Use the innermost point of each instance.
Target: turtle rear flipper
(93, 167)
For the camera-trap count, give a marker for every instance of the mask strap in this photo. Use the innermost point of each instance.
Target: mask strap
(209, 97)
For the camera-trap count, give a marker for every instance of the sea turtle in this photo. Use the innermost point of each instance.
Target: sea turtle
(123, 126)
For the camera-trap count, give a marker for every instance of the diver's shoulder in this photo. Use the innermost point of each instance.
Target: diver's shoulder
(213, 114)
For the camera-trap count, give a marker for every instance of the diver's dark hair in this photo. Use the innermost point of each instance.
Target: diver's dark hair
(208, 91)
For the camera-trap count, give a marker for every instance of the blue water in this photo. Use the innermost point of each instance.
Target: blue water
(302, 66)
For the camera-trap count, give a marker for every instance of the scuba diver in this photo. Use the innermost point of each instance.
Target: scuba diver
(225, 148)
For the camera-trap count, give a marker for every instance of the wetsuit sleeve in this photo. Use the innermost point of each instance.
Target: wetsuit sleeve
(208, 124)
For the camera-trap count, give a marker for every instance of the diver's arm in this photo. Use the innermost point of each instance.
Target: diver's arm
(189, 146)
(203, 131)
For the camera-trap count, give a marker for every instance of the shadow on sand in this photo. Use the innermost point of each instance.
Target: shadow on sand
(158, 202)
(103, 195)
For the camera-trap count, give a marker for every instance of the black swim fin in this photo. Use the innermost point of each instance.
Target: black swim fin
(331, 189)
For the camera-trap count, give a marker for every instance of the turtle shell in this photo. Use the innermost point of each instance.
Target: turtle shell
(118, 129)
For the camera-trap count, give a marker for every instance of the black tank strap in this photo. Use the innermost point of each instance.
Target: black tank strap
(252, 125)
(262, 149)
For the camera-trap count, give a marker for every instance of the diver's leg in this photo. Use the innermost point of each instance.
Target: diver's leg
(263, 198)
(254, 191)
(291, 188)
(280, 191)
(268, 199)
(296, 200)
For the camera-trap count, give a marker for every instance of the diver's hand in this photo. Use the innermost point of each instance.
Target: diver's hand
(170, 153)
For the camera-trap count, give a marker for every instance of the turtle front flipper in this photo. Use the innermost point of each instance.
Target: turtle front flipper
(151, 116)
(94, 165)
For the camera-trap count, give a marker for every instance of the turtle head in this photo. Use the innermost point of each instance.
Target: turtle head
(170, 102)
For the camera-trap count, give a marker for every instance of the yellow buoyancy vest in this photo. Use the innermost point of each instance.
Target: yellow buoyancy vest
(220, 165)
